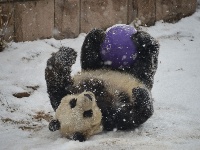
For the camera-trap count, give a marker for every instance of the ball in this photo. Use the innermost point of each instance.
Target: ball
(118, 49)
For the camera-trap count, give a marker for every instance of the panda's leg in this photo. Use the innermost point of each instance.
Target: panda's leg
(131, 115)
(143, 105)
(90, 51)
(57, 74)
(146, 61)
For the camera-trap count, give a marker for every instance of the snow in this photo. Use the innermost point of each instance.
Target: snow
(174, 125)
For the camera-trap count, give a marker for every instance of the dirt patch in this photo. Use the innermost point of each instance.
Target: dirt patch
(21, 94)
(35, 124)
(33, 87)
(33, 127)
(23, 125)
(42, 115)
(30, 90)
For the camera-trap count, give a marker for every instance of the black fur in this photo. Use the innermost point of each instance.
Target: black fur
(57, 74)
(54, 125)
(88, 113)
(90, 56)
(108, 117)
(125, 115)
(128, 115)
(144, 66)
(72, 103)
(79, 136)
(143, 105)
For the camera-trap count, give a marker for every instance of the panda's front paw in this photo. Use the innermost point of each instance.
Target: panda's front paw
(96, 35)
(54, 125)
(79, 136)
(65, 56)
(145, 41)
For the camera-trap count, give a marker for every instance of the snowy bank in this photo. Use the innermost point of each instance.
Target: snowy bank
(174, 125)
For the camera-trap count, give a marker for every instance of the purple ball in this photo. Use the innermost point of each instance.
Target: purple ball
(118, 50)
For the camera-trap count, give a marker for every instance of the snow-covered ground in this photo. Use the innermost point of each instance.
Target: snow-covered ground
(174, 125)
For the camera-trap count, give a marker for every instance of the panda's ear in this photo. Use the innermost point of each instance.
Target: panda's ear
(54, 125)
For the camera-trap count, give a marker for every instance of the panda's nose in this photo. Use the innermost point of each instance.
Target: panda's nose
(88, 96)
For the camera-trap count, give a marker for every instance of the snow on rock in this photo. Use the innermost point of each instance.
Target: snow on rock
(174, 125)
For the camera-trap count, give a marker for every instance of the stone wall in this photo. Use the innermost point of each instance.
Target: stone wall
(38, 19)
(34, 20)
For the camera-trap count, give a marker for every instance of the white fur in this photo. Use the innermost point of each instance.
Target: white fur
(72, 120)
(114, 81)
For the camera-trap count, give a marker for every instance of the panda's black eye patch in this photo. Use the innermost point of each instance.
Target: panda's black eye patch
(88, 113)
(72, 103)
(88, 96)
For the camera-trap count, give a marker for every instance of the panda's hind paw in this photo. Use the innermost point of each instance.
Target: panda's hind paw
(143, 105)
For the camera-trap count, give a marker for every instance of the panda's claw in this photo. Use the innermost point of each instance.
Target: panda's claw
(54, 125)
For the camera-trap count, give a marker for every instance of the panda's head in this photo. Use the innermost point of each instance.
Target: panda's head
(77, 117)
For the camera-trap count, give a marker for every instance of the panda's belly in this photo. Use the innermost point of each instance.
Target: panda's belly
(110, 83)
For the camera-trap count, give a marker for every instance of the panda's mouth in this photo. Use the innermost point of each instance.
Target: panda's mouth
(88, 96)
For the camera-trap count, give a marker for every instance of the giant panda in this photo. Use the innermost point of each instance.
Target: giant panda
(101, 97)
